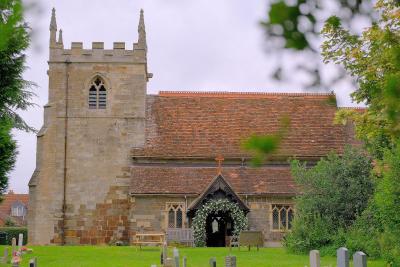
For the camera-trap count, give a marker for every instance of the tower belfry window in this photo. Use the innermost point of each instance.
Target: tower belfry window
(97, 94)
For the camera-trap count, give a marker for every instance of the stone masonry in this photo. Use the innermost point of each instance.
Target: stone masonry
(80, 183)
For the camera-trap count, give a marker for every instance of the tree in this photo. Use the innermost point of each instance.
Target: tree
(333, 194)
(14, 93)
(293, 26)
(373, 59)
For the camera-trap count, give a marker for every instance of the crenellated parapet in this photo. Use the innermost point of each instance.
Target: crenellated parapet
(120, 52)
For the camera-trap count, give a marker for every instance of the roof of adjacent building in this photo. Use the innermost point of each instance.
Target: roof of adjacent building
(271, 180)
(204, 124)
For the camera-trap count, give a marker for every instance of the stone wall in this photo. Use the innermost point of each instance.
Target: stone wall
(148, 213)
(85, 158)
(260, 217)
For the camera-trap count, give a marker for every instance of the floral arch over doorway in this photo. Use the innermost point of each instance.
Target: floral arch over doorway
(199, 220)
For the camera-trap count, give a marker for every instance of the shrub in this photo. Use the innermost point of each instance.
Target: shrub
(387, 199)
(365, 233)
(13, 232)
(334, 193)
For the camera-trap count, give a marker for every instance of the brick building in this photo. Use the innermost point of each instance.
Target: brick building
(113, 160)
(13, 209)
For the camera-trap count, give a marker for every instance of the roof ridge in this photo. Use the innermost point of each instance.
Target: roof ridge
(230, 93)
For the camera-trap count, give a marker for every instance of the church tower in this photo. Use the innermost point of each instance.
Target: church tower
(94, 116)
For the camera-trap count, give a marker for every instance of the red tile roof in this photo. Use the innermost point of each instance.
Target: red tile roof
(273, 180)
(205, 124)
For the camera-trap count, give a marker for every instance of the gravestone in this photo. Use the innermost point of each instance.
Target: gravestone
(164, 253)
(213, 262)
(32, 262)
(230, 261)
(13, 245)
(360, 259)
(184, 261)
(315, 258)
(5, 256)
(168, 262)
(20, 240)
(342, 257)
(176, 257)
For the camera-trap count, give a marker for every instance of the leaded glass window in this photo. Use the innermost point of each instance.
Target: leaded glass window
(282, 217)
(175, 214)
(97, 94)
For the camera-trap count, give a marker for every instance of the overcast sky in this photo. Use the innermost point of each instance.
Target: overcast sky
(192, 45)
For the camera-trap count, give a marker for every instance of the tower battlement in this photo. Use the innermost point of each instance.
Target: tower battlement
(78, 54)
(120, 52)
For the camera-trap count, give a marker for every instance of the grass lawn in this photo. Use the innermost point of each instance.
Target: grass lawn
(102, 256)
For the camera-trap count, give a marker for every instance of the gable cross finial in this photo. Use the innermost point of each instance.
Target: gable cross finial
(219, 159)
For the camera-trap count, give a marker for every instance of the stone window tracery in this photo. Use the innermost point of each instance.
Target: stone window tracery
(175, 216)
(282, 217)
(97, 94)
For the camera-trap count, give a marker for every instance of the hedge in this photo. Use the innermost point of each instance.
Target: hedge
(11, 232)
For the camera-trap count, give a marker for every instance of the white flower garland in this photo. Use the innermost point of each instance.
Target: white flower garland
(240, 221)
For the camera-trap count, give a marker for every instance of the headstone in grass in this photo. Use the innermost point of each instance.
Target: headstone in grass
(32, 262)
(360, 259)
(315, 258)
(176, 257)
(230, 261)
(13, 246)
(153, 265)
(213, 262)
(342, 257)
(20, 240)
(164, 253)
(168, 262)
(184, 261)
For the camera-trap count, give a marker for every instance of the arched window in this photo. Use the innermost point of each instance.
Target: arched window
(175, 214)
(97, 94)
(282, 217)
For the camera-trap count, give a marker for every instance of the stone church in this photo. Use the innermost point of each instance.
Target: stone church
(113, 160)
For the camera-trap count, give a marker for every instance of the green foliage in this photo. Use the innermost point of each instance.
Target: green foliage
(263, 146)
(373, 60)
(7, 153)
(387, 200)
(14, 232)
(364, 234)
(334, 193)
(240, 221)
(294, 26)
(14, 39)
(14, 96)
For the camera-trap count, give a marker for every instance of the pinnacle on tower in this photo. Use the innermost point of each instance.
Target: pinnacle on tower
(142, 44)
(60, 38)
(53, 22)
(53, 28)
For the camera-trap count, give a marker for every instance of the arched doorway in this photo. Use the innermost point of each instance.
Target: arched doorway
(219, 227)
(217, 214)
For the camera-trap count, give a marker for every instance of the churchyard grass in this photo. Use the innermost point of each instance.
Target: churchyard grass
(106, 256)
